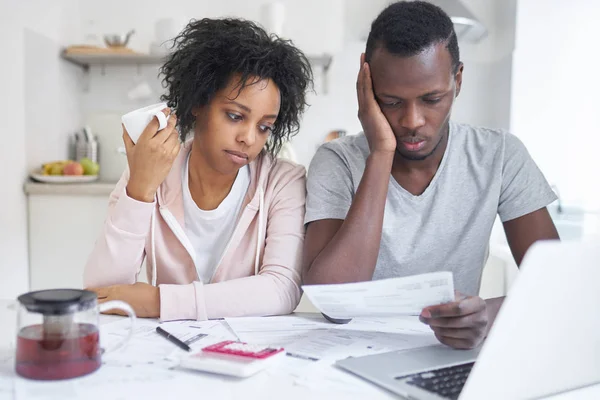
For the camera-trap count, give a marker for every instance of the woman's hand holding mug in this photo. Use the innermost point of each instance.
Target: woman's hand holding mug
(151, 157)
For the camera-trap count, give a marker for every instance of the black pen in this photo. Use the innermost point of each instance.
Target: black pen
(172, 339)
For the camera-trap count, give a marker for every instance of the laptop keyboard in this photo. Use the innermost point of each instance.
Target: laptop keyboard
(446, 382)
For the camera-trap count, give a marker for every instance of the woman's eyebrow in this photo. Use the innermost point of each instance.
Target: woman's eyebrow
(249, 110)
(240, 105)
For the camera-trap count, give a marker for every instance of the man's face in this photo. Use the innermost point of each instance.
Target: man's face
(416, 96)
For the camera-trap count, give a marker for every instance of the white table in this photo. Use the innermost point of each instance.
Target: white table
(100, 385)
(150, 383)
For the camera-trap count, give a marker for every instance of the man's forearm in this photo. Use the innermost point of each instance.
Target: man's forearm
(351, 255)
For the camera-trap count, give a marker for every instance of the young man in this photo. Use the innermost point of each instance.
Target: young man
(415, 192)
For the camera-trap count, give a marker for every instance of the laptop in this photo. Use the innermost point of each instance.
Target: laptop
(546, 338)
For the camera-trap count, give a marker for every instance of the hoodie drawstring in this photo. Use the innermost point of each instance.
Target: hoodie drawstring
(261, 204)
(152, 245)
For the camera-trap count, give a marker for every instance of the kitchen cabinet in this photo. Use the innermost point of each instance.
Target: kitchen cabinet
(64, 223)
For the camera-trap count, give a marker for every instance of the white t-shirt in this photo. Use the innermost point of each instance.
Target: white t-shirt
(210, 231)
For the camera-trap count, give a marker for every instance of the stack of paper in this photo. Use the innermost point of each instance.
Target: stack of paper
(337, 344)
(277, 331)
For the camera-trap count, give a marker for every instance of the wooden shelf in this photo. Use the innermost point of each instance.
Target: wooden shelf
(105, 58)
(86, 60)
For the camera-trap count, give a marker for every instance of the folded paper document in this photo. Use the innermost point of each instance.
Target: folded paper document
(382, 298)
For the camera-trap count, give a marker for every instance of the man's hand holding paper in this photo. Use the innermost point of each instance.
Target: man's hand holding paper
(457, 320)
(382, 298)
(461, 324)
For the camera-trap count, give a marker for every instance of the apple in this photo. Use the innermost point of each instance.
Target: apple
(73, 168)
(89, 167)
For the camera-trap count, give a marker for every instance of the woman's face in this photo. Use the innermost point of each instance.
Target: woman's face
(233, 128)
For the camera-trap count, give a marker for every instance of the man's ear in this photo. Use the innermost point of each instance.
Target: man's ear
(458, 78)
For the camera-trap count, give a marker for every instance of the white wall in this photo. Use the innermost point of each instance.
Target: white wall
(555, 91)
(52, 97)
(13, 220)
(485, 96)
(20, 22)
(307, 21)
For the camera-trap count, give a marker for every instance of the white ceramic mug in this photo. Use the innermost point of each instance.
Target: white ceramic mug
(136, 121)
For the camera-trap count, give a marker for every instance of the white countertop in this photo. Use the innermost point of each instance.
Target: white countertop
(98, 188)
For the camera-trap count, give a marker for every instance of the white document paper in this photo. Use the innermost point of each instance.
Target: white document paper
(337, 344)
(199, 334)
(146, 347)
(115, 382)
(276, 331)
(405, 324)
(7, 373)
(333, 383)
(117, 329)
(189, 332)
(382, 298)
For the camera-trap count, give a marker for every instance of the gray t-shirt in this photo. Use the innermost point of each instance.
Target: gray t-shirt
(448, 227)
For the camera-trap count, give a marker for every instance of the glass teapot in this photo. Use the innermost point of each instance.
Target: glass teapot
(58, 333)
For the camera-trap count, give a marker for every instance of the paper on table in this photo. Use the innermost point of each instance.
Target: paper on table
(115, 382)
(7, 380)
(325, 378)
(405, 324)
(100, 384)
(197, 334)
(386, 297)
(291, 367)
(146, 347)
(336, 344)
(187, 331)
(276, 331)
(143, 328)
(7, 371)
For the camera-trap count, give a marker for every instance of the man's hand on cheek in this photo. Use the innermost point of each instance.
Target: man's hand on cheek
(461, 324)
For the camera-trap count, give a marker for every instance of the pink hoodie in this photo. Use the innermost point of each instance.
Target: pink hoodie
(259, 272)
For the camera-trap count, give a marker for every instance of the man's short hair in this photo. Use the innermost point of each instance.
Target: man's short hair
(406, 28)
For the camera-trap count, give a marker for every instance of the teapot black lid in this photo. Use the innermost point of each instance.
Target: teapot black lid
(58, 301)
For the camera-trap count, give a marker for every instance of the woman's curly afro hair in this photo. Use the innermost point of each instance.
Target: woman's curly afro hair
(209, 52)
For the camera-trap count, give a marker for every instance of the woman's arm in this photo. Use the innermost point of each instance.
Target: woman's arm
(119, 251)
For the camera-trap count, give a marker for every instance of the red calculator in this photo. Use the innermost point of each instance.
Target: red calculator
(233, 358)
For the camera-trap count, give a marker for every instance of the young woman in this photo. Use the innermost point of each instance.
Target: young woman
(218, 218)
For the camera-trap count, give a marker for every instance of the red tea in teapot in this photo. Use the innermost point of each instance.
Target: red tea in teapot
(48, 354)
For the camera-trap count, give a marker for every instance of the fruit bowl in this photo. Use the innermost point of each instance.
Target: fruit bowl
(67, 171)
(38, 176)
